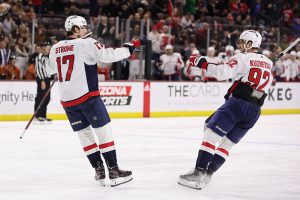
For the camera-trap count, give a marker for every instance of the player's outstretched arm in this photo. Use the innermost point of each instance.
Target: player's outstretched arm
(222, 71)
(108, 55)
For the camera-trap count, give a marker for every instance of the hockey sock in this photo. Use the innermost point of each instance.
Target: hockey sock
(107, 145)
(221, 154)
(207, 149)
(90, 146)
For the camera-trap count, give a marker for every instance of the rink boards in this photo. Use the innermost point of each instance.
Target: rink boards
(146, 99)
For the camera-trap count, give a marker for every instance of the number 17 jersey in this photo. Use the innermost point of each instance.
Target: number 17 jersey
(75, 63)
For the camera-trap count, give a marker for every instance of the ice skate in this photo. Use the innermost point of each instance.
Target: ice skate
(100, 174)
(38, 120)
(43, 120)
(196, 179)
(118, 176)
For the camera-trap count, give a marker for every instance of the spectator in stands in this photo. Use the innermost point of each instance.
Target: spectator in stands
(171, 64)
(104, 33)
(4, 51)
(166, 38)
(10, 70)
(40, 36)
(156, 40)
(187, 21)
(21, 54)
(30, 72)
(112, 25)
(9, 25)
(31, 13)
(284, 42)
(287, 15)
(4, 8)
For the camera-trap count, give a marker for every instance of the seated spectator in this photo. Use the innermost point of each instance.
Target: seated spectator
(30, 72)
(4, 51)
(11, 71)
(2, 76)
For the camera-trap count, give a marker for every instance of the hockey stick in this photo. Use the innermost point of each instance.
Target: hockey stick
(39, 106)
(288, 48)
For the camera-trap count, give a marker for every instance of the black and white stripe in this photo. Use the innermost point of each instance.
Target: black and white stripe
(4, 56)
(41, 64)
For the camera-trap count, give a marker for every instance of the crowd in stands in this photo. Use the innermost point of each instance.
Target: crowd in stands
(190, 26)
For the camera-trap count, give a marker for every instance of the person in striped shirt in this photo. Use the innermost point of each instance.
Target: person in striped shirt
(43, 82)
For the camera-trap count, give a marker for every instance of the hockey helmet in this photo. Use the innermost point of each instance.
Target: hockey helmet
(266, 52)
(74, 20)
(169, 47)
(253, 36)
(293, 53)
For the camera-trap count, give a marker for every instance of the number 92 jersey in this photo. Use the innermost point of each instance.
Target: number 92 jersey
(75, 63)
(251, 68)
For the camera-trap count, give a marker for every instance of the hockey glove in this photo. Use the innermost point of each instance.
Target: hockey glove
(132, 45)
(135, 43)
(197, 60)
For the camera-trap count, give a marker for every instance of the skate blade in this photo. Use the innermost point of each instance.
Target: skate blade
(102, 182)
(120, 180)
(190, 184)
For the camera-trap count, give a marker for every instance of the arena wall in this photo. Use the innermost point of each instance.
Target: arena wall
(146, 99)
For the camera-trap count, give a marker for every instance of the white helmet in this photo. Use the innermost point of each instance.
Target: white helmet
(253, 36)
(293, 53)
(229, 48)
(266, 52)
(74, 20)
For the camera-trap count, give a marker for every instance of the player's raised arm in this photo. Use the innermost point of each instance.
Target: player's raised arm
(222, 71)
(108, 55)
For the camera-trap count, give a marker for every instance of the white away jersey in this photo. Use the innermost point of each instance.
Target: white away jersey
(75, 63)
(251, 68)
(171, 63)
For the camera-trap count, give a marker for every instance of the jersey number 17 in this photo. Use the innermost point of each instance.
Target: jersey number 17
(67, 59)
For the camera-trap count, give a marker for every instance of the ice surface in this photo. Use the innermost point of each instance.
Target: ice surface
(49, 164)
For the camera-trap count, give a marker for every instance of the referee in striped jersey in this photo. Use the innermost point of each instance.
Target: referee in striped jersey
(43, 82)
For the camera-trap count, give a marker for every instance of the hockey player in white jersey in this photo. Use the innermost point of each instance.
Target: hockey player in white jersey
(171, 64)
(252, 74)
(294, 66)
(74, 60)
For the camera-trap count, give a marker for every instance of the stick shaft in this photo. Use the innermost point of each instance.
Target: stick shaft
(38, 108)
(288, 48)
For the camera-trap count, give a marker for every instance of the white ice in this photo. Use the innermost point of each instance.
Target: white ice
(49, 164)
